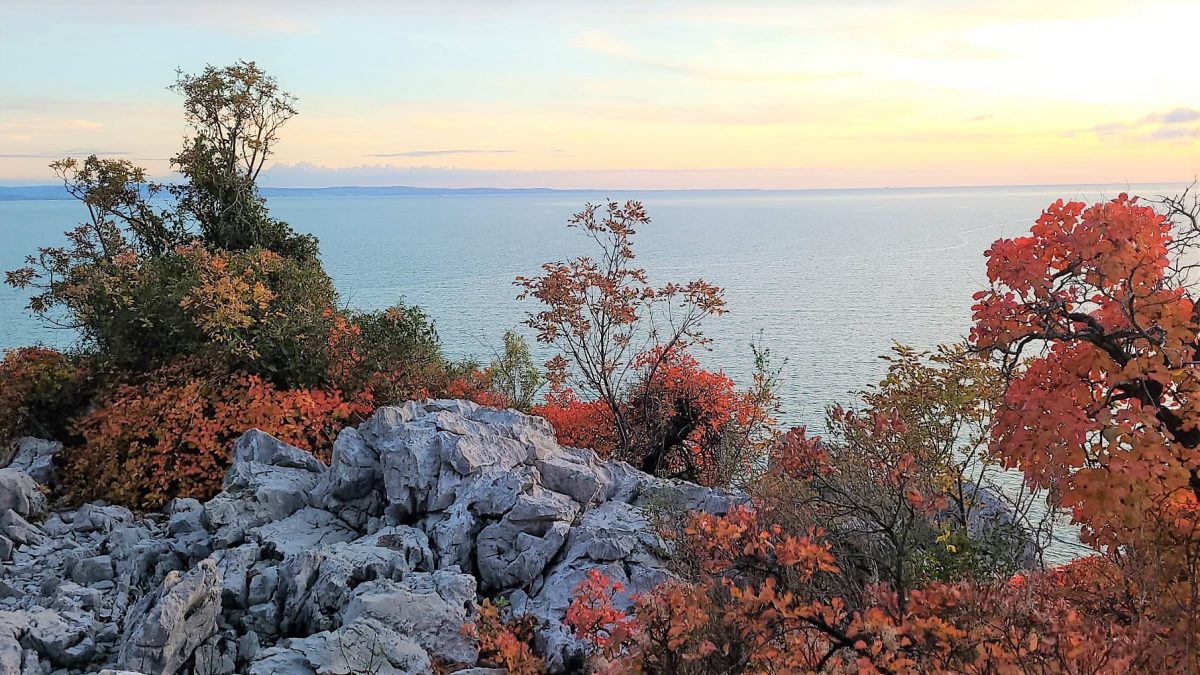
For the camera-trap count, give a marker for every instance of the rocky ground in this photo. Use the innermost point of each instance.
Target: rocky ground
(369, 565)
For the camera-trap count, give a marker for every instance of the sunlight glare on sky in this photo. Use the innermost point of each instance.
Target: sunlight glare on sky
(773, 94)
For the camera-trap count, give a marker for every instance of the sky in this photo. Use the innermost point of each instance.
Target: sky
(628, 95)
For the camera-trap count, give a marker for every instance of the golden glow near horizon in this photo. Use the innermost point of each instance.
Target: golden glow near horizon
(666, 95)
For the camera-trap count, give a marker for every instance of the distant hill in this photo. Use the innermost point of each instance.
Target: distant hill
(53, 192)
(32, 193)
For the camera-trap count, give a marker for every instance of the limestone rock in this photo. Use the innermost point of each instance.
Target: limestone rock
(35, 457)
(371, 565)
(20, 492)
(319, 581)
(427, 608)
(174, 621)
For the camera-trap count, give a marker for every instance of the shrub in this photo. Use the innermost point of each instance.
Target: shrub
(172, 435)
(682, 421)
(40, 391)
(514, 374)
(596, 310)
(505, 641)
(578, 423)
(394, 353)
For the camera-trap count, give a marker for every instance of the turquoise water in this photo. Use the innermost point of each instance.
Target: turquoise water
(829, 279)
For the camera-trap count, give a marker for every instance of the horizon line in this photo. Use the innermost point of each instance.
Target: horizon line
(1192, 181)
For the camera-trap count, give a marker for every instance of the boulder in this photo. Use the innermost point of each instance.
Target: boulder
(63, 638)
(20, 492)
(99, 517)
(304, 530)
(168, 625)
(259, 447)
(429, 609)
(35, 457)
(19, 530)
(371, 565)
(319, 582)
(366, 647)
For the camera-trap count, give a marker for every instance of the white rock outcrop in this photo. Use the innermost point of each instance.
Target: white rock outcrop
(371, 564)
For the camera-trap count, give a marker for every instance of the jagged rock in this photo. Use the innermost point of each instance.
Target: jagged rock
(91, 570)
(19, 530)
(280, 659)
(63, 638)
(615, 540)
(256, 494)
(168, 625)
(510, 557)
(259, 447)
(577, 474)
(20, 492)
(427, 608)
(35, 457)
(217, 656)
(186, 516)
(100, 518)
(374, 562)
(359, 647)
(354, 469)
(304, 530)
(234, 565)
(320, 580)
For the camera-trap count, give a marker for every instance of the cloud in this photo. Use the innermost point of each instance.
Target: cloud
(438, 153)
(1173, 125)
(980, 118)
(1176, 116)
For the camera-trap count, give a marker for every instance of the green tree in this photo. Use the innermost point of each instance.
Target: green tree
(235, 113)
(514, 374)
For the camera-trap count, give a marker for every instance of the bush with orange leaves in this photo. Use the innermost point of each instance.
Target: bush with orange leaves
(756, 604)
(505, 641)
(764, 601)
(578, 423)
(172, 435)
(40, 391)
(682, 421)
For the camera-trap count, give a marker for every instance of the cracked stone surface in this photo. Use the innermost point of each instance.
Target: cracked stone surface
(371, 564)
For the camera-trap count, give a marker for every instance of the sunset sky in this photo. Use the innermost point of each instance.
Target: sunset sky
(845, 93)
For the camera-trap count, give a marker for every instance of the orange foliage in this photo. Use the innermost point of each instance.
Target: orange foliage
(475, 386)
(1101, 335)
(172, 435)
(678, 415)
(578, 423)
(38, 388)
(757, 607)
(505, 643)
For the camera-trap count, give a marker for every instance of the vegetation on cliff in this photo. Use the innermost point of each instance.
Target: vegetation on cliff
(882, 545)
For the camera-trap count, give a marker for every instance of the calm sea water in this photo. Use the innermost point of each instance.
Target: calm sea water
(826, 279)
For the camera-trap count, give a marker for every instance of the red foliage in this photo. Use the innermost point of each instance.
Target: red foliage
(679, 415)
(172, 435)
(1107, 415)
(578, 423)
(476, 386)
(38, 392)
(505, 642)
(1099, 332)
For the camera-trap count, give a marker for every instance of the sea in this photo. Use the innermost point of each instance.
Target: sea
(827, 280)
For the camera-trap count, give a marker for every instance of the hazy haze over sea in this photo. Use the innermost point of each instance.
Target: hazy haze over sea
(829, 277)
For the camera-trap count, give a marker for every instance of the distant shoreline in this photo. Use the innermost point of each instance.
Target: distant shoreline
(58, 193)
